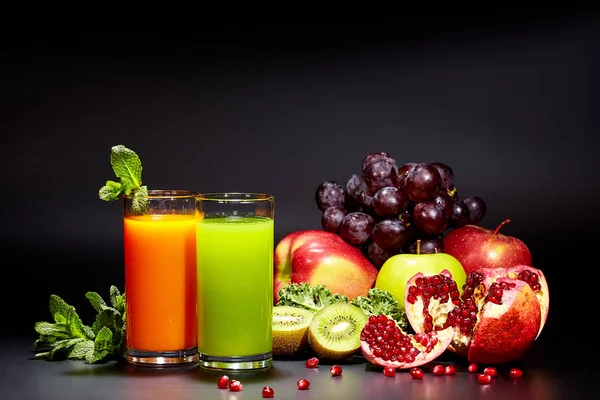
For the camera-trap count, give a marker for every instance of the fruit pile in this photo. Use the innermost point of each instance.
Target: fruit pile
(388, 209)
(402, 273)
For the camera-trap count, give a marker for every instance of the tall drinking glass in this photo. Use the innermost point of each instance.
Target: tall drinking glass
(235, 234)
(160, 278)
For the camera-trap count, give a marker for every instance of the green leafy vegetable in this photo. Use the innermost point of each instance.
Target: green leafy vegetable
(128, 168)
(314, 298)
(379, 302)
(68, 337)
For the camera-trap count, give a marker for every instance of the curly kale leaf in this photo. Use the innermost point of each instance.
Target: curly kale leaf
(312, 298)
(383, 302)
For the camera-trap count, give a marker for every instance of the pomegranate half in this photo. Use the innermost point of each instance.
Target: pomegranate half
(533, 276)
(495, 320)
(383, 343)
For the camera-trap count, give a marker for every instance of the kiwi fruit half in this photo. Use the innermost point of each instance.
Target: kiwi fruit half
(290, 329)
(334, 332)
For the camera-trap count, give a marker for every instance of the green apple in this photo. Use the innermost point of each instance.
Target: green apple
(398, 269)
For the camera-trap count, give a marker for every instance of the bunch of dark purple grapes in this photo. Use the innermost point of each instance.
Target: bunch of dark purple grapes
(389, 209)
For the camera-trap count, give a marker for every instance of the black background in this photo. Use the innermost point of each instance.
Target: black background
(508, 103)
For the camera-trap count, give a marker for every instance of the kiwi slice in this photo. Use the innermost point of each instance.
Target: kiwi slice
(290, 329)
(334, 332)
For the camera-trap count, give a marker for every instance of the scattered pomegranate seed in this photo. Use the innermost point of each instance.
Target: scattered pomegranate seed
(303, 384)
(335, 370)
(484, 379)
(223, 382)
(450, 370)
(438, 370)
(491, 371)
(416, 373)
(389, 371)
(312, 362)
(515, 373)
(268, 392)
(235, 386)
(473, 367)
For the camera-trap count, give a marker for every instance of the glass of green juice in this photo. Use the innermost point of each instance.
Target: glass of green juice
(234, 251)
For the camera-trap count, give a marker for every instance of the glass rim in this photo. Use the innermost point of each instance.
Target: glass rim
(235, 196)
(167, 193)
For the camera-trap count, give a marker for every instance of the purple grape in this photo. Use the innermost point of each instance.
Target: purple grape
(330, 194)
(460, 214)
(444, 201)
(403, 172)
(390, 234)
(389, 202)
(332, 218)
(380, 174)
(352, 185)
(429, 218)
(446, 174)
(364, 197)
(427, 246)
(379, 256)
(423, 183)
(356, 228)
(376, 156)
(477, 208)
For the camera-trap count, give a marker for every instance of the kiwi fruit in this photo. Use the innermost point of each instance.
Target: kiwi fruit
(290, 329)
(334, 332)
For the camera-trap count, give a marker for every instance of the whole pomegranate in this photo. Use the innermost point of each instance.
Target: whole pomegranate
(383, 343)
(496, 319)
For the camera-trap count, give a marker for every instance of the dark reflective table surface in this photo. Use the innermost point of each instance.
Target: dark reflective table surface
(548, 374)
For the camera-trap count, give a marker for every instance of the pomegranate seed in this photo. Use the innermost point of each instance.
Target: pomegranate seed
(450, 370)
(303, 384)
(268, 392)
(223, 382)
(484, 379)
(515, 373)
(491, 371)
(416, 373)
(438, 370)
(335, 370)
(235, 386)
(473, 367)
(312, 362)
(389, 371)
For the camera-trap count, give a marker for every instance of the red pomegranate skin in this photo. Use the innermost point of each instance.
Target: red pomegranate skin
(505, 332)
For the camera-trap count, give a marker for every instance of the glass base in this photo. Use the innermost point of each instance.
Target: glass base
(249, 363)
(163, 358)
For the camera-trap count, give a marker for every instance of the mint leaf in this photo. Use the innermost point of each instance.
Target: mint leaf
(117, 301)
(127, 167)
(102, 346)
(111, 191)
(96, 301)
(56, 331)
(69, 337)
(140, 198)
(81, 349)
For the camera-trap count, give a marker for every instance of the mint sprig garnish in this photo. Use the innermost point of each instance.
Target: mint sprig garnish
(67, 337)
(128, 169)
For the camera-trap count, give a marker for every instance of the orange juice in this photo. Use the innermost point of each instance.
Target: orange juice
(160, 282)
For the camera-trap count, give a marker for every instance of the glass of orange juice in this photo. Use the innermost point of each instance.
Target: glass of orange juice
(160, 278)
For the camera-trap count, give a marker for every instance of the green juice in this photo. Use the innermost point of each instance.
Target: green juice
(235, 286)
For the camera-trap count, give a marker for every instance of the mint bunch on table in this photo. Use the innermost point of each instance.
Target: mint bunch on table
(68, 337)
(128, 169)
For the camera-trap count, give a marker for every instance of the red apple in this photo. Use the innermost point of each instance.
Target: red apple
(322, 258)
(476, 247)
